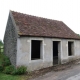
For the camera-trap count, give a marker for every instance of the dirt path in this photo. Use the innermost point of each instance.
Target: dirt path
(61, 72)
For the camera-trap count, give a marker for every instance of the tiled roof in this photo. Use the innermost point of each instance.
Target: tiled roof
(36, 26)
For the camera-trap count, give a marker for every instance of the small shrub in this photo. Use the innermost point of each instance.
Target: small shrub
(9, 69)
(1, 68)
(20, 70)
(14, 72)
(6, 61)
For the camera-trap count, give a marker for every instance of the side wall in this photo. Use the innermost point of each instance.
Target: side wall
(24, 52)
(76, 51)
(10, 41)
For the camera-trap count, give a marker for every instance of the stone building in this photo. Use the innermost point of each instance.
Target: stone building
(38, 42)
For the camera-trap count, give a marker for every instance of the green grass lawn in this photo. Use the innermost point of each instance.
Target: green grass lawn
(8, 77)
(11, 77)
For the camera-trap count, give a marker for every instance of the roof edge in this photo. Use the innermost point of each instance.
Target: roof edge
(36, 16)
(48, 37)
(13, 21)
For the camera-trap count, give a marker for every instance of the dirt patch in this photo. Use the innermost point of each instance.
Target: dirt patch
(43, 71)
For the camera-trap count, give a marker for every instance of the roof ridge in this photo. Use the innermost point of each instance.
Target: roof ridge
(36, 16)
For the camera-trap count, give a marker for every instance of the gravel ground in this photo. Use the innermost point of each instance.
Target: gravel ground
(57, 68)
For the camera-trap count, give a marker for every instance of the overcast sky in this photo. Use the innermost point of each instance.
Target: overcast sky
(67, 11)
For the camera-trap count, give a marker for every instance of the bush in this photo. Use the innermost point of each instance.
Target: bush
(20, 70)
(1, 68)
(15, 71)
(6, 67)
(9, 69)
(6, 61)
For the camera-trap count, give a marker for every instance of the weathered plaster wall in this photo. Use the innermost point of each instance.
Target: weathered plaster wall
(10, 41)
(24, 52)
(76, 50)
(64, 52)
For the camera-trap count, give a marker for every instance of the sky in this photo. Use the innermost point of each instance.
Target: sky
(67, 11)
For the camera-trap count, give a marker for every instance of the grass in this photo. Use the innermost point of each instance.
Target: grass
(8, 77)
(11, 77)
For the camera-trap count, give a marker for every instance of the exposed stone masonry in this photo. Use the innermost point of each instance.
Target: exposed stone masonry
(10, 42)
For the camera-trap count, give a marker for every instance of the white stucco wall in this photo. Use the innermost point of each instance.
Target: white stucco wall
(24, 52)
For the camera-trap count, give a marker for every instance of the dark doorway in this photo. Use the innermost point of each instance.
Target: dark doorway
(35, 49)
(55, 52)
(70, 47)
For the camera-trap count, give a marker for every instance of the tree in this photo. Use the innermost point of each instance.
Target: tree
(1, 43)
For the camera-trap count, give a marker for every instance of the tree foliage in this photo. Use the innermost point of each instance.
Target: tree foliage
(1, 43)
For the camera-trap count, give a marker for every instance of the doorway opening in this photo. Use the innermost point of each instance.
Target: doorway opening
(55, 52)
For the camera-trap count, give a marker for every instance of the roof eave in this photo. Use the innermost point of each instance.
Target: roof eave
(47, 37)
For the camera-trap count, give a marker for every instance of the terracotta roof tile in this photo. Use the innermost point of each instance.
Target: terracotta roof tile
(36, 26)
